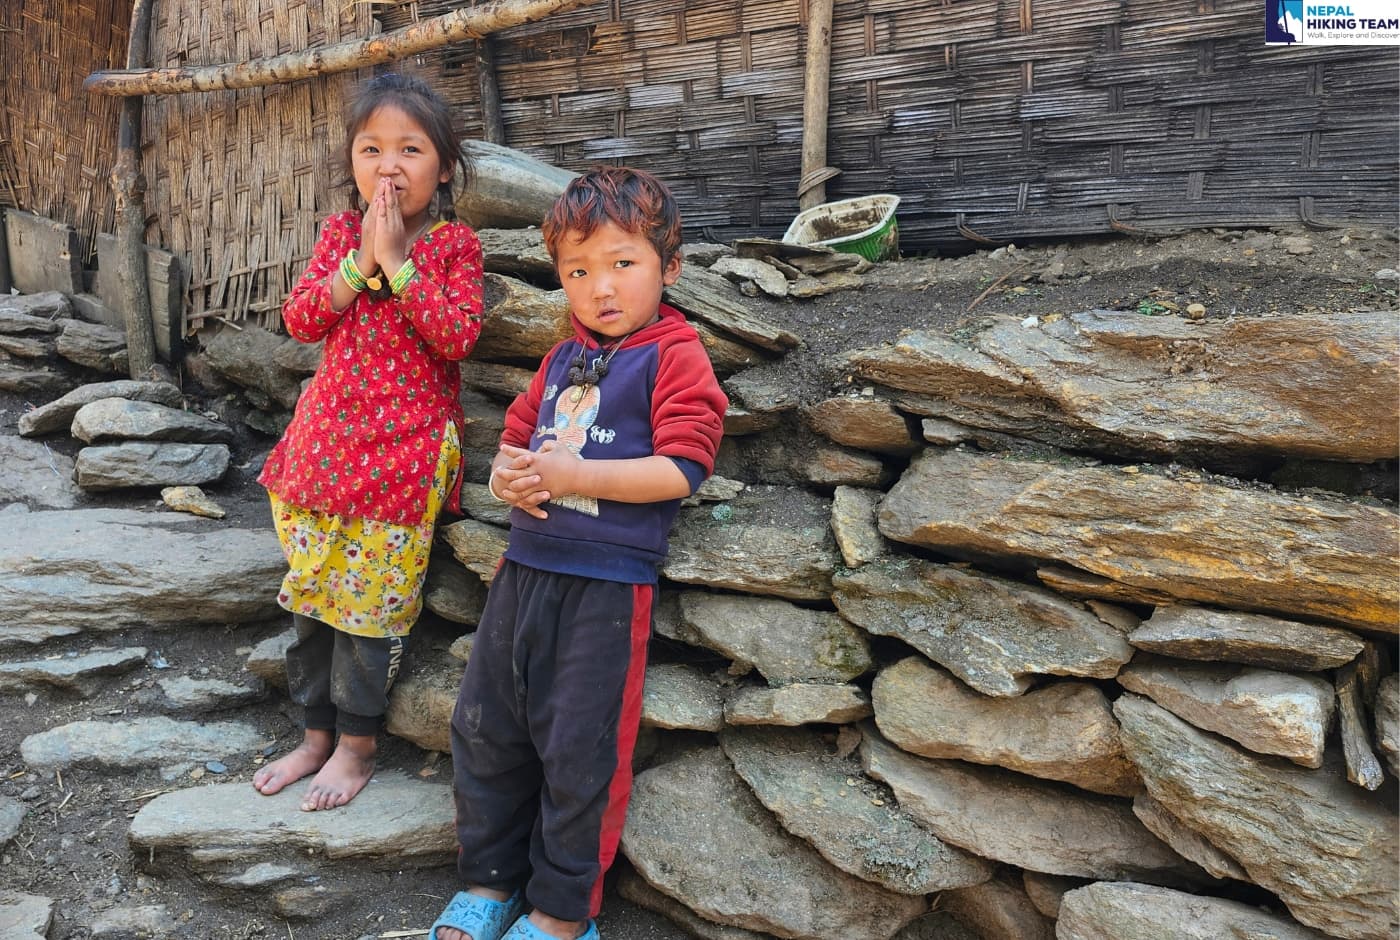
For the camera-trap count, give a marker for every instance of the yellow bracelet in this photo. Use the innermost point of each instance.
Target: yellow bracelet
(400, 280)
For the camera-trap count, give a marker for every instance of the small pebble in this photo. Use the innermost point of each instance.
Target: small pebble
(215, 767)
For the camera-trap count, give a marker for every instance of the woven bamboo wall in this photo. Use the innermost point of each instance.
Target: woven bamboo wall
(992, 119)
(57, 142)
(238, 180)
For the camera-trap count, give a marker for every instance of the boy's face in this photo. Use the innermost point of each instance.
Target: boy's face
(613, 279)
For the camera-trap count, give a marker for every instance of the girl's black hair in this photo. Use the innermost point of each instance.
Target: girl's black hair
(415, 98)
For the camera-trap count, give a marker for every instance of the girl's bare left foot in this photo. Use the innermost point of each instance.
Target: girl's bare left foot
(344, 775)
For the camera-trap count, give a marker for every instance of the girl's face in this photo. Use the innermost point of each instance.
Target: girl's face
(391, 144)
(613, 279)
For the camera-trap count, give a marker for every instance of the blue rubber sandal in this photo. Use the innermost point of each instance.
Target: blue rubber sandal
(522, 929)
(479, 917)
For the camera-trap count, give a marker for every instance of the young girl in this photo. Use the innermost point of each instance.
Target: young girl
(372, 452)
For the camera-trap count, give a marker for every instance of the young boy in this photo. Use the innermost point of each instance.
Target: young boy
(619, 424)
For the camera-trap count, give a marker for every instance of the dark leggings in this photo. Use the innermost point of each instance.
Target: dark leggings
(341, 680)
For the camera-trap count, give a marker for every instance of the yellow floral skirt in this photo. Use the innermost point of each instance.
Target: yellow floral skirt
(361, 576)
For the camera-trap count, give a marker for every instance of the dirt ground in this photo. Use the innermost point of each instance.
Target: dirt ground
(72, 846)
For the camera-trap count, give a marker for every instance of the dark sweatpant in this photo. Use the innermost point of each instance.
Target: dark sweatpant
(342, 681)
(542, 735)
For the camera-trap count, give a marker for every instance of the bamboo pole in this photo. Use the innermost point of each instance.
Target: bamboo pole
(469, 23)
(128, 186)
(811, 190)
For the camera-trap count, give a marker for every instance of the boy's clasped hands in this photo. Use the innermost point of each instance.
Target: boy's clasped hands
(534, 477)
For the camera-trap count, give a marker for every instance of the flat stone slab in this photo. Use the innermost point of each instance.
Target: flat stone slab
(1252, 639)
(784, 642)
(119, 419)
(193, 694)
(57, 415)
(24, 916)
(1185, 841)
(693, 825)
(678, 697)
(1328, 849)
(37, 475)
(1000, 908)
(81, 674)
(114, 569)
(12, 813)
(1021, 820)
(992, 633)
(142, 742)
(1060, 731)
(228, 832)
(799, 703)
(1197, 539)
(1126, 911)
(148, 463)
(849, 819)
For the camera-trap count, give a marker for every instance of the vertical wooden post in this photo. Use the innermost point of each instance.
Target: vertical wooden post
(811, 191)
(493, 127)
(129, 187)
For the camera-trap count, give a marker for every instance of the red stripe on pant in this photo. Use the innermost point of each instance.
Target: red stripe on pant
(620, 789)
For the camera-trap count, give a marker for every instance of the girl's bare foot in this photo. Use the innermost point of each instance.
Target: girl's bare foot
(344, 775)
(452, 933)
(309, 757)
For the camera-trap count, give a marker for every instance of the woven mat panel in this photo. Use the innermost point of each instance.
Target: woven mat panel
(58, 143)
(994, 120)
(238, 180)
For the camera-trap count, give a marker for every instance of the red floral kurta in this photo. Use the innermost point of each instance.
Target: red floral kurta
(367, 432)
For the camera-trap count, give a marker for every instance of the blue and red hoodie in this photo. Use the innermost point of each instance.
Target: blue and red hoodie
(658, 396)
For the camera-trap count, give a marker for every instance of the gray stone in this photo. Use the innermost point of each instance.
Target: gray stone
(12, 813)
(631, 886)
(24, 916)
(823, 798)
(135, 923)
(1326, 848)
(853, 512)
(944, 433)
(693, 823)
(680, 697)
(224, 828)
(1388, 721)
(863, 422)
(784, 642)
(36, 474)
(478, 503)
(140, 463)
(141, 742)
(93, 345)
(1185, 841)
(1021, 820)
(33, 635)
(1126, 911)
(250, 357)
(190, 694)
(768, 540)
(1268, 712)
(799, 703)
(768, 278)
(477, 545)
(1047, 891)
(117, 419)
(938, 925)
(1206, 538)
(28, 347)
(32, 313)
(993, 633)
(48, 574)
(32, 381)
(1252, 639)
(452, 592)
(268, 660)
(80, 674)
(421, 702)
(1120, 382)
(762, 392)
(706, 296)
(1060, 731)
(998, 908)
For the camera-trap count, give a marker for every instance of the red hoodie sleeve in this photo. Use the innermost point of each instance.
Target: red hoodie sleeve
(524, 413)
(687, 407)
(307, 311)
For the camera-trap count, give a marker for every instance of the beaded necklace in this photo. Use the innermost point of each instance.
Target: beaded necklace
(582, 377)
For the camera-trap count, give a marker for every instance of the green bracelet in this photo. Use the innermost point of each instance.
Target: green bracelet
(350, 272)
(399, 281)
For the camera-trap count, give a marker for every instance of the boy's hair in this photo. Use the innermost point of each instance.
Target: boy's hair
(633, 200)
(425, 107)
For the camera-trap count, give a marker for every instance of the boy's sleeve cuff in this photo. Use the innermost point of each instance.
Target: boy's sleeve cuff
(695, 473)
